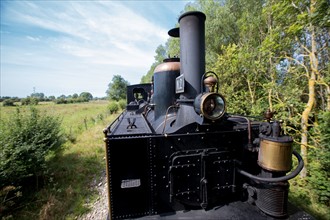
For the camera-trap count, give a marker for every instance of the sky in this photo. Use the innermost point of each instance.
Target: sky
(61, 47)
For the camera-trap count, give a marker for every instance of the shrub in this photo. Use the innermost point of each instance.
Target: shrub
(122, 104)
(320, 164)
(30, 101)
(8, 102)
(113, 107)
(26, 140)
(60, 101)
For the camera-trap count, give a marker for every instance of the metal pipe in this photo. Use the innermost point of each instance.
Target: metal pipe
(165, 119)
(277, 179)
(249, 127)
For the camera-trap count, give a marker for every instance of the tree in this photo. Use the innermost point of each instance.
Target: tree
(38, 95)
(62, 97)
(85, 96)
(159, 57)
(160, 54)
(173, 47)
(300, 39)
(117, 88)
(147, 78)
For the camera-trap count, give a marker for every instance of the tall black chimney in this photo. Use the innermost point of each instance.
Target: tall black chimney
(192, 51)
(192, 62)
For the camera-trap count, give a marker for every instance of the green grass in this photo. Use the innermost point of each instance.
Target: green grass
(73, 115)
(76, 118)
(306, 199)
(68, 183)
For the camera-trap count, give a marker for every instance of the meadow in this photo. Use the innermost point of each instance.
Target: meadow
(68, 184)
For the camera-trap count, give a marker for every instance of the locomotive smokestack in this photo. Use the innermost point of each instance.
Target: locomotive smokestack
(192, 66)
(192, 51)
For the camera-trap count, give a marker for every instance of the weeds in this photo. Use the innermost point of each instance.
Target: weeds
(66, 184)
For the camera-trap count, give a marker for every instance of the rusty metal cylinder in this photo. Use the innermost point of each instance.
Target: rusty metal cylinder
(275, 154)
(164, 85)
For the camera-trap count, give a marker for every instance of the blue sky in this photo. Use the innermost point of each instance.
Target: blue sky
(66, 47)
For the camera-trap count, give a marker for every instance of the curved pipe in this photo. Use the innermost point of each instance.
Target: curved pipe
(165, 119)
(248, 126)
(277, 179)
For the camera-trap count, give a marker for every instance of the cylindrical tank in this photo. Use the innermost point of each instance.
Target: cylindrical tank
(164, 85)
(192, 51)
(275, 154)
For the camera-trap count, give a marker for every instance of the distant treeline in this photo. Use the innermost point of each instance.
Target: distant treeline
(35, 98)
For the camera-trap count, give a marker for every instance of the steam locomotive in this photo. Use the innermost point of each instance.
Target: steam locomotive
(175, 153)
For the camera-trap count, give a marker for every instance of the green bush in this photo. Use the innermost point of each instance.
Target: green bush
(8, 102)
(113, 107)
(60, 101)
(122, 104)
(26, 141)
(320, 162)
(30, 101)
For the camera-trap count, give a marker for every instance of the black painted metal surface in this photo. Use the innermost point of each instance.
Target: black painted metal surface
(192, 51)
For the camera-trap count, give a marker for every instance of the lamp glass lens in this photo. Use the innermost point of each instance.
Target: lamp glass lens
(213, 106)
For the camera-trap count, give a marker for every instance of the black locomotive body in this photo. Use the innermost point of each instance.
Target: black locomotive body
(176, 149)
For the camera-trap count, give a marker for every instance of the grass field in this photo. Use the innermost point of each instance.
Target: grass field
(67, 185)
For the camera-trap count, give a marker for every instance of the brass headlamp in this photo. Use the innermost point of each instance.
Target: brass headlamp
(210, 105)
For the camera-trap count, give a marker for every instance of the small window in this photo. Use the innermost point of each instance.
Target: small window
(140, 94)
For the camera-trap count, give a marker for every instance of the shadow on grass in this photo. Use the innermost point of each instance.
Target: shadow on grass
(67, 187)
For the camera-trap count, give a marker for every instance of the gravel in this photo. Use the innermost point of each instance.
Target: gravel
(99, 208)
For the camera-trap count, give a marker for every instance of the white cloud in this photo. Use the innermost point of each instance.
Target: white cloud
(104, 30)
(33, 38)
(80, 38)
